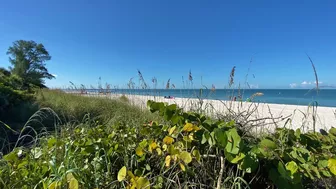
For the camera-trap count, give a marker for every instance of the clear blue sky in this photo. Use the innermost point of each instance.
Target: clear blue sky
(112, 39)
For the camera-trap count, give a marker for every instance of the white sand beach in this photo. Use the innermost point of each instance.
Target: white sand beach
(266, 116)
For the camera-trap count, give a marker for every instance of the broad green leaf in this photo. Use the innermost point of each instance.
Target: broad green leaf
(292, 167)
(322, 164)
(172, 107)
(332, 166)
(281, 169)
(237, 158)
(122, 174)
(142, 183)
(168, 114)
(233, 141)
(326, 173)
(185, 157)
(205, 137)
(250, 163)
(221, 138)
(267, 147)
(11, 156)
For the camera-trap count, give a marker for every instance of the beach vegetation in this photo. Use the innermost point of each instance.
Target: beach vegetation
(104, 143)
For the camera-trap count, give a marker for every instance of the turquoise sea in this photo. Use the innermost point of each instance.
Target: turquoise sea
(323, 97)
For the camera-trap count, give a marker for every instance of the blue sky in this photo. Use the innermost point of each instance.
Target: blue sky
(112, 39)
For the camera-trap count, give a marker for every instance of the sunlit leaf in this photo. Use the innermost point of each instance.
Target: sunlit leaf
(73, 183)
(188, 127)
(332, 166)
(159, 151)
(167, 161)
(233, 141)
(122, 174)
(171, 130)
(292, 167)
(182, 167)
(185, 157)
(168, 140)
(142, 183)
(152, 146)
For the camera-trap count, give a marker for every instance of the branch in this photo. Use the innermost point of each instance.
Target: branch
(219, 180)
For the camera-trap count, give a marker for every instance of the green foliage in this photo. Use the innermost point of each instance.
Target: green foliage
(183, 150)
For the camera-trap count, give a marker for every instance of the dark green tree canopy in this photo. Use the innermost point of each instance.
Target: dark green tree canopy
(28, 62)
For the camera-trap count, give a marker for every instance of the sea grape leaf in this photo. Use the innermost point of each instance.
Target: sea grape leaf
(122, 174)
(185, 157)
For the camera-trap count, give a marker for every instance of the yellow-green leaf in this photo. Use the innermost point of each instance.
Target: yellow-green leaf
(188, 127)
(152, 146)
(182, 167)
(332, 166)
(159, 151)
(122, 174)
(130, 174)
(292, 167)
(168, 140)
(139, 151)
(73, 183)
(142, 183)
(171, 130)
(167, 161)
(54, 185)
(197, 155)
(185, 157)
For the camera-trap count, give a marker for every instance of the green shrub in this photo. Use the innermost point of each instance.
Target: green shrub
(184, 149)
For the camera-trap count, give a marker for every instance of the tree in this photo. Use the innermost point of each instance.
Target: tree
(28, 62)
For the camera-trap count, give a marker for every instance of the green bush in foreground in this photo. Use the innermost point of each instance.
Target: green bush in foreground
(185, 150)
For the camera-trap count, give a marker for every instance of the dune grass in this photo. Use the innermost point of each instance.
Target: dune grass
(71, 107)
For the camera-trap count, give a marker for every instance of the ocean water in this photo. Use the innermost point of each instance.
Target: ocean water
(324, 97)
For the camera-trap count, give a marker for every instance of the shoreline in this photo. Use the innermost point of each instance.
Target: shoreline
(264, 116)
